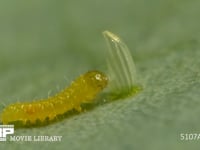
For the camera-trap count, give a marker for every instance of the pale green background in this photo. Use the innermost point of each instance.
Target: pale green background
(44, 44)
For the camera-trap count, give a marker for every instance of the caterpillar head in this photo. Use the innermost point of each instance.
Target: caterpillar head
(96, 79)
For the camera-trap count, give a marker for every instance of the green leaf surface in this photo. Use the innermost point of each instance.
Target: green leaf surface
(44, 45)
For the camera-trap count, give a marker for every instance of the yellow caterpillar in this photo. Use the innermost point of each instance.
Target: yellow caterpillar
(82, 90)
